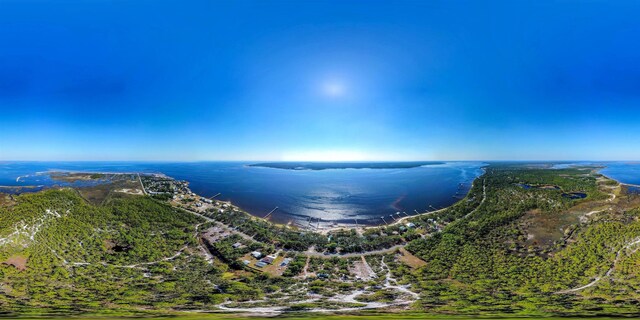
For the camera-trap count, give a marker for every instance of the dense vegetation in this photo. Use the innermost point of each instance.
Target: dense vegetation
(473, 265)
(131, 253)
(514, 245)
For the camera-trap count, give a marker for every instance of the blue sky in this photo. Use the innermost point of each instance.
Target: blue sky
(319, 80)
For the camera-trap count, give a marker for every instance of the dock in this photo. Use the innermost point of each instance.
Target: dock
(270, 212)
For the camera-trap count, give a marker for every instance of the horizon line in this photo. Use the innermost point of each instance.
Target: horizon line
(336, 161)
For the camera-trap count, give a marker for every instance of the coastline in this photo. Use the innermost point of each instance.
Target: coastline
(324, 228)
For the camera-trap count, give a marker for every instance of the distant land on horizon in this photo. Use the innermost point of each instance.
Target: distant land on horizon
(344, 165)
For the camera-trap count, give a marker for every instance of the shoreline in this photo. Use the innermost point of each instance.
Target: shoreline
(325, 227)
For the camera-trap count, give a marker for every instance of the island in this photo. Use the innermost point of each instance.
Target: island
(344, 165)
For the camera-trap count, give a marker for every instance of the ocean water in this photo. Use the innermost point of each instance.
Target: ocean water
(333, 195)
(625, 172)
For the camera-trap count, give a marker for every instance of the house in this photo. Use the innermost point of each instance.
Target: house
(256, 254)
(285, 262)
(260, 264)
(205, 200)
(268, 259)
(411, 225)
(236, 245)
(246, 262)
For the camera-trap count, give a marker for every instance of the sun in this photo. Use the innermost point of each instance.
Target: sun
(333, 89)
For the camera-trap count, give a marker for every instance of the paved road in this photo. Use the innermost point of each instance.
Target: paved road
(484, 197)
(142, 185)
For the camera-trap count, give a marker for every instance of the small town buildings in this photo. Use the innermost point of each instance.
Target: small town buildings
(256, 254)
(285, 262)
(268, 259)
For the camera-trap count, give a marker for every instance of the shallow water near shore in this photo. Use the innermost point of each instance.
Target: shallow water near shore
(330, 196)
(624, 172)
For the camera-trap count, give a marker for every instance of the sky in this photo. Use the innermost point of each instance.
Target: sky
(319, 80)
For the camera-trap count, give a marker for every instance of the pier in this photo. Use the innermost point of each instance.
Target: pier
(270, 212)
